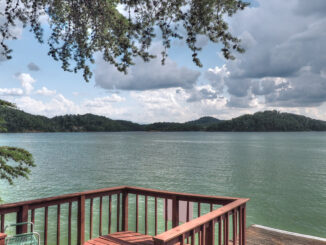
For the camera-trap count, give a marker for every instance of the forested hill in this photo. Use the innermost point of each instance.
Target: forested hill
(19, 121)
(269, 121)
(15, 120)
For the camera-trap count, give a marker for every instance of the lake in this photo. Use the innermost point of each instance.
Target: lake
(284, 174)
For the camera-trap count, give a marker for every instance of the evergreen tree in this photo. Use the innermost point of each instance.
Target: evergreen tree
(14, 162)
(78, 29)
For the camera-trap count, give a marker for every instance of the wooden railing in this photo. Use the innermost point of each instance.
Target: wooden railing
(212, 211)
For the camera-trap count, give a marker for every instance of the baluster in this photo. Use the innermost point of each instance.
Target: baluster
(240, 227)
(118, 212)
(212, 224)
(244, 224)
(2, 226)
(166, 214)
(110, 210)
(204, 236)
(193, 237)
(220, 231)
(22, 216)
(81, 220)
(182, 239)
(146, 224)
(155, 210)
(32, 218)
(45, 225)
(69, 223)
(187, 218)
(175, 212)
(91, 219)
(226, 229)
(100, 221)
(211, 207)
(58, 224)
(198, 214)
(125, 211)
(234, 226)
(136, 212)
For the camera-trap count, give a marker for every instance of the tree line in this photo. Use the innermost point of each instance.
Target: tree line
(15, 120)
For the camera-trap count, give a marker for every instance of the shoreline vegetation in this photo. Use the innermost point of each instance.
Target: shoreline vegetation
(18, 121)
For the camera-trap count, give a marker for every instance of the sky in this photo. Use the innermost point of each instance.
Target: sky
(283, 68)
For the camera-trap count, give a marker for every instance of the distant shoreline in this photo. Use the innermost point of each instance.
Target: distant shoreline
(17, 121)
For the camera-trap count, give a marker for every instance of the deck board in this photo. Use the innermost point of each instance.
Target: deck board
(123, 238)
(254, 236)
(266, 236)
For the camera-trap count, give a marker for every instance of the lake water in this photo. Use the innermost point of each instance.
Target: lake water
(284, 174)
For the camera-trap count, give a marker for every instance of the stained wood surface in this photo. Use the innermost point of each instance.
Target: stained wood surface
(123, 238)
(261, 236)
(254, 236)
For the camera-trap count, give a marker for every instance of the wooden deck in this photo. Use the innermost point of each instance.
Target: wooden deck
(123, 238)
(255, 235)
(259, 235)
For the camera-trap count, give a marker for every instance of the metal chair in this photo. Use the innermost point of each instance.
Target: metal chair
(29, 238)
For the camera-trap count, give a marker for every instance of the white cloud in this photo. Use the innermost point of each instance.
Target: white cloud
(46, 92)
(26, 82)
(11, 91)
(103, 101)
(57, 105)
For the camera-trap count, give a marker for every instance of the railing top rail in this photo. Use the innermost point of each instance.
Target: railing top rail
(60, 198)
(181, 196)
(11, 207)
(193, 224)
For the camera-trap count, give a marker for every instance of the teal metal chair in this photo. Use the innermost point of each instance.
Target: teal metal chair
(29, 238)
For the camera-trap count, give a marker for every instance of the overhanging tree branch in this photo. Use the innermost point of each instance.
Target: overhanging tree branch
(80, 28)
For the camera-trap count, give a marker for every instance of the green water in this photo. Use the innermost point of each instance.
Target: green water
(284, 174)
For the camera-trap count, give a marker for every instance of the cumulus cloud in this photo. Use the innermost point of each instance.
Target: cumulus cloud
(104, 101)
(284, 62)
(33, 67)
(200, 93)
(145, 75)
(26, 82)
(11, 91)
(57, 105)
(46, 92)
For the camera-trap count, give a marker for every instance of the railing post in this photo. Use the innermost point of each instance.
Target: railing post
(2, 238)
(125, 211)
(22, 216)
(209, 233)
(175, 212)
(81, 220)
(243, 224)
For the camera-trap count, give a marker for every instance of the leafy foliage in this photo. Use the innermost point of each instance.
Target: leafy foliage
(24, 161)
(14, 162)
(81, 28)
(7, 103)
